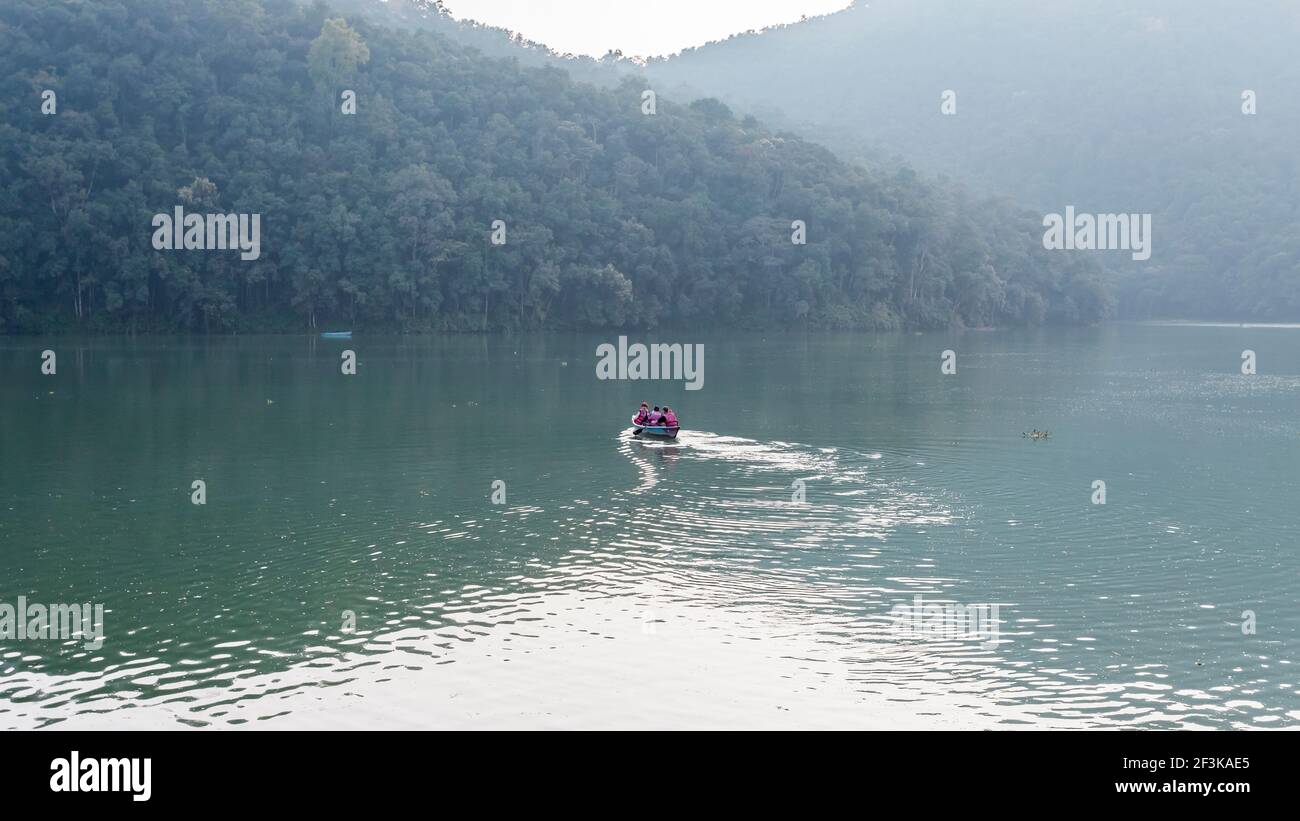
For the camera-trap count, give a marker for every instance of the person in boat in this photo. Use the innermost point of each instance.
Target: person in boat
(655, 416)
(669, 418)
(642, 414)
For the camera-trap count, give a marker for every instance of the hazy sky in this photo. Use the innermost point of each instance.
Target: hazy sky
(639, 27)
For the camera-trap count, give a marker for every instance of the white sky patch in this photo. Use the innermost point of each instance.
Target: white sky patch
(643, 28)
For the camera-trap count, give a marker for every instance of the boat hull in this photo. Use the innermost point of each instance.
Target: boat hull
(660, 431)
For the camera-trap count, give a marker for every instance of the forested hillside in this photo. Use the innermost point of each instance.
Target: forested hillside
(383, 218)
(1106, 105)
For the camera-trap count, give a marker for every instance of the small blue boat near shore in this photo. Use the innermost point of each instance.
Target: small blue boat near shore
(662, 431)
(336, 335)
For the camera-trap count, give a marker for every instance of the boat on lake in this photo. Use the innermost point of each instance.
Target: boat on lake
(336, 335)
(663, 431)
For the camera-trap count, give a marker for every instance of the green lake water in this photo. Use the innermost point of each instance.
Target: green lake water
(625, 583)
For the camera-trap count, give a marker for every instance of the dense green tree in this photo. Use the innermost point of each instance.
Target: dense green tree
(335, 55)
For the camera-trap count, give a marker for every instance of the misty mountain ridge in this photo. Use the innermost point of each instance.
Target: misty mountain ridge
(1104, 106)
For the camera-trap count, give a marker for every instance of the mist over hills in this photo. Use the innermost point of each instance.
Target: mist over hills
(1109, 106)
(388, 217)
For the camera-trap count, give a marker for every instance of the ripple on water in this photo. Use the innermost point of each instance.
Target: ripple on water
(698, 590)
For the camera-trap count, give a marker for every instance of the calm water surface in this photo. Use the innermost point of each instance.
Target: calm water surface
(638, 584)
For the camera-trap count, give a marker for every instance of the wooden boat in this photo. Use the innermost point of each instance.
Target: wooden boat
(662, 431)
